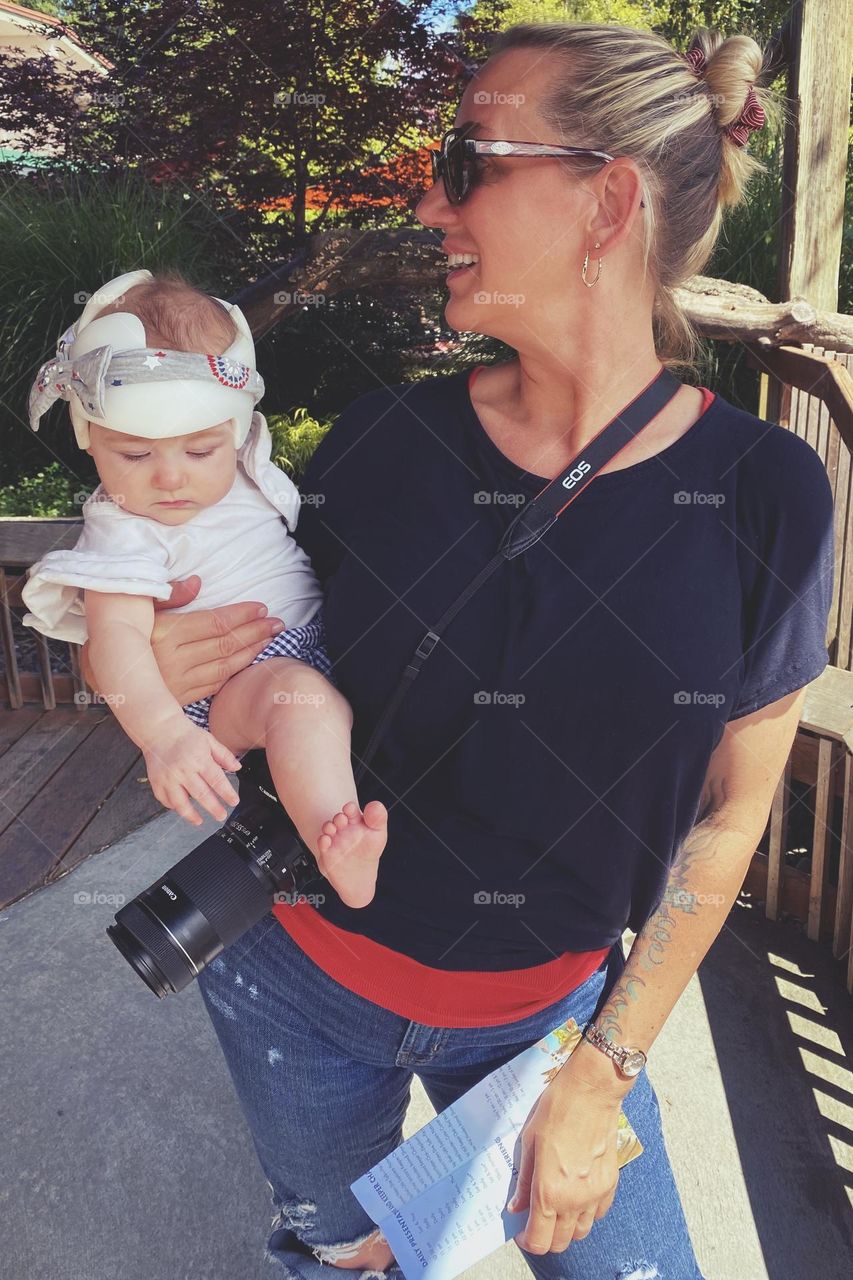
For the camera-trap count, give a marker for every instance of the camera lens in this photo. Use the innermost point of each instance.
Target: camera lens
(176, 926)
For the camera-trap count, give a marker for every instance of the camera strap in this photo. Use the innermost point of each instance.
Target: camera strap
(531, 522)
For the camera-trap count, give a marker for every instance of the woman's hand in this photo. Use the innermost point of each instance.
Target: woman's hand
(198, 652)
(568, 1173)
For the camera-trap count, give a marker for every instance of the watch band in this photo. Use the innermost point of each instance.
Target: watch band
(629, 1060)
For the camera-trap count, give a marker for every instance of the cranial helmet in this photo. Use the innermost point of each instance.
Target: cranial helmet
(108, 375)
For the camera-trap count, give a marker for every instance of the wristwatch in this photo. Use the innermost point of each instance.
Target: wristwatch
(629, 1061)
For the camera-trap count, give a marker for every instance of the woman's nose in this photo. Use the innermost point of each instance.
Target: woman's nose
(433, 207)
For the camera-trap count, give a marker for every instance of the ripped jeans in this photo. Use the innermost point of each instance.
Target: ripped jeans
(323, 1078)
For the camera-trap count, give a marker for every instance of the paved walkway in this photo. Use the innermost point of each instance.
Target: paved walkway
(124, 1153)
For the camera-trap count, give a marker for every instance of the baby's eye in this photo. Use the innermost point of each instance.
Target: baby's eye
(201, 455)
(134, 457)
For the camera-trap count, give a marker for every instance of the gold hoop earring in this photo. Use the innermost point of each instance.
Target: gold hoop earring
(589, 283)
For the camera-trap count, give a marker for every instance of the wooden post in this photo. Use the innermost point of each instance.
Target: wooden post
(815, 163)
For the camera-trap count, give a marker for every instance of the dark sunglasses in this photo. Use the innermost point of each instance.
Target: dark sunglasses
(456, 161)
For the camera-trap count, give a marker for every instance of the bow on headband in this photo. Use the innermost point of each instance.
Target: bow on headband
(88, 376)
(750, 120)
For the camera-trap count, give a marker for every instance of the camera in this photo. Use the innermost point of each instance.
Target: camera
(173, 929)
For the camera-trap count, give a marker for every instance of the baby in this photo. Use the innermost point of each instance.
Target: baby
(161, 384)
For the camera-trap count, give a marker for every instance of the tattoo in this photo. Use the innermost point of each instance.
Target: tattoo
(620, 997)
(649, 949)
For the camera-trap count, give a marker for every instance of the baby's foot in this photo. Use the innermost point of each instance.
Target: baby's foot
(351, 844)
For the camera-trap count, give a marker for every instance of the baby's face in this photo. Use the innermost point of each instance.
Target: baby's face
(144, 476)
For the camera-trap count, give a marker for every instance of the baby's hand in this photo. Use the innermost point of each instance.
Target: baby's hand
(189, 763)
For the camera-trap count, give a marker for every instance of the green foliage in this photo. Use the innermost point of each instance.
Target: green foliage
(50, 492)
(295, 436)
(627, 13)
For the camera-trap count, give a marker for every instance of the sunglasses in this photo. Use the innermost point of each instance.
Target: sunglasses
(455, 163)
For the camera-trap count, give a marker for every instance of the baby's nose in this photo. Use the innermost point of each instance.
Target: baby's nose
(170, 476)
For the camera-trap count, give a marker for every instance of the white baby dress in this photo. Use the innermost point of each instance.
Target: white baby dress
(240, 548)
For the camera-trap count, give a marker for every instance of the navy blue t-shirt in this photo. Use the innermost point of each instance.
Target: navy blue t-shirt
(547, 763)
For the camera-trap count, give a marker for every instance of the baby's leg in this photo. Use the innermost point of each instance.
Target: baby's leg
(304, 724)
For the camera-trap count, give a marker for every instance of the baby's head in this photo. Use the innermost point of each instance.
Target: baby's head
(142, 475)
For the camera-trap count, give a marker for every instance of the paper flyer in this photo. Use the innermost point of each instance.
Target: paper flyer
(440, 1197)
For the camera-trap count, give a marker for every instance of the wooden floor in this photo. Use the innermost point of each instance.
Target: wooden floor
(71, 783)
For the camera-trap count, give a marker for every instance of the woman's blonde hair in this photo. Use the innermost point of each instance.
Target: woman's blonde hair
(629, 92)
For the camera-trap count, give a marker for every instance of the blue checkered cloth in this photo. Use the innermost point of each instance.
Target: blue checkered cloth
(308, 643)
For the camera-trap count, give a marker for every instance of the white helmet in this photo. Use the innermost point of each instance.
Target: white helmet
(108, 375)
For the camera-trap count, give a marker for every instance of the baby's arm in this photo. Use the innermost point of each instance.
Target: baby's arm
(180, 756)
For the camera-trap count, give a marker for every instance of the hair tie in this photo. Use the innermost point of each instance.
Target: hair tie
(750, 120)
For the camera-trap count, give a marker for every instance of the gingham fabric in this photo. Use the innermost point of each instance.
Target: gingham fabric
(308, 643)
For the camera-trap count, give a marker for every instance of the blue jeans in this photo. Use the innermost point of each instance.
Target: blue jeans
(323, 1078)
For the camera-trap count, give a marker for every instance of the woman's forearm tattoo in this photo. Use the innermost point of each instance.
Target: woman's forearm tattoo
(650, 945)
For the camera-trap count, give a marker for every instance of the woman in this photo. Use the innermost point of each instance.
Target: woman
(596, 742)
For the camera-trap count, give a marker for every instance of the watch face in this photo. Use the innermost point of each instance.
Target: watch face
(634, 1063)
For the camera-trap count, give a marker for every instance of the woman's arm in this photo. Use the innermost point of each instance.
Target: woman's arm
(568, 1173)
(198, 652)
(704, 881)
